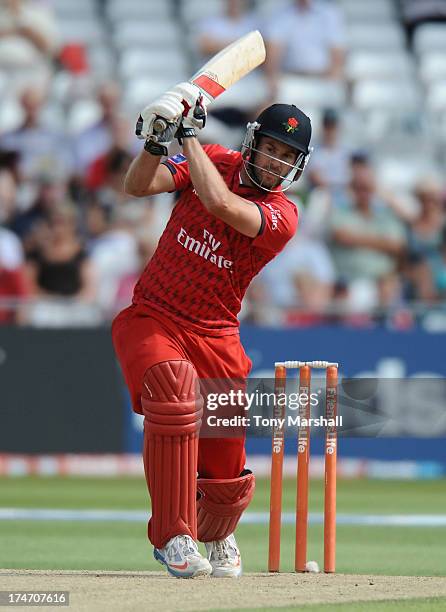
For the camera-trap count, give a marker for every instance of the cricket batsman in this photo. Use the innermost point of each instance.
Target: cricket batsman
(230, 220)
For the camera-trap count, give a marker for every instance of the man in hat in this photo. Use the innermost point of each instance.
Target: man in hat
(230, 220)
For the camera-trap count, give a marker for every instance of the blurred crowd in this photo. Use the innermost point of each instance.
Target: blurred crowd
(72, 243)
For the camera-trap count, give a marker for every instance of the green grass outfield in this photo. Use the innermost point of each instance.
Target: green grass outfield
(411, 551)
(405, 605)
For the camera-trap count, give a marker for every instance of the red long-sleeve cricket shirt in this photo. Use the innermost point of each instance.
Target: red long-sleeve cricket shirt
(202, 267)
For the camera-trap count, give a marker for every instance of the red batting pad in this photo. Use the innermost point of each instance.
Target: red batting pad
(221, 505)
(209, 86)
(172, 407)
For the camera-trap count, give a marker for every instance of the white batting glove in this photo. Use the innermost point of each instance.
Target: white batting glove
(168, 107)
(189, 94)
(192, 98)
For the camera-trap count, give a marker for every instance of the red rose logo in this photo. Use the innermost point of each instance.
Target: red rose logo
(291, 125)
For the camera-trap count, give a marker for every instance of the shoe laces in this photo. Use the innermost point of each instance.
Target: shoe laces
(188, 546)
(221, 548)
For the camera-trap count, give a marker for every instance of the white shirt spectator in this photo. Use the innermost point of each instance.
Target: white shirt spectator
(90, 144)
(223, 28)
(11, 251)
(308, 35)
(332, 164)
(41, 149)
(113, 255)
(301, 256)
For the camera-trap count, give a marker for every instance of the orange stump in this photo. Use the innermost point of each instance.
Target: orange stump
(330, 472)
(303, 461)
(303, 458)
(275, 504)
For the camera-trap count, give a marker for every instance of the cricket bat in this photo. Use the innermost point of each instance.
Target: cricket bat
(226, 68)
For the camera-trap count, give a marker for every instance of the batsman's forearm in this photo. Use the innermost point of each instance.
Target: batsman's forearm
(141, 174)
(206, 179)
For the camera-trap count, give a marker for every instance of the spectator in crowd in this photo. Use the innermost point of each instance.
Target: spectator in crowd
(329, 166)
(426, 231)
(216, 32)
(126, 284)
(41, 147)
(13, 285)
(8, 196)
(300, 281)
(9, 161)
(51, 191)
(392, 305)
(322, 202)
(418, 280)
(367, 239)
(439, 269)
(28, 38)
(60, 268)
(110, 131)
(423, 267)
(305, 38)
(108, 170)
(110, 178)
(113, 247)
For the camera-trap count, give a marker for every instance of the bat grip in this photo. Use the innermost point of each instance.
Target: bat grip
(159, 125)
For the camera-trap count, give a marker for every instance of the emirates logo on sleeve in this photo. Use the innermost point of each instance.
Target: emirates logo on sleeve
(276, 215)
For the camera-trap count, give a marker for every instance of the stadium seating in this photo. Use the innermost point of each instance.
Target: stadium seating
(377, 10)
(433, 66)
(148, 10)
(379, 65)
(430, 37)
(385, 37)
(312, 92)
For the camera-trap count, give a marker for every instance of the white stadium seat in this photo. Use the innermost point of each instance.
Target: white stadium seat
(118, 10)
(430, 37)
(385, 95)
(311, 92)
(193, 11)
(403, 173)
(386, 36)
(101, 61)
(135, 62)
(73, 9)
(11, 114)
(374, 10)
(377, 64)
(82, 115)
(433, 66)
(436, 97)
(140, 91)
(248, 93)
(87, 31)
(133, 33)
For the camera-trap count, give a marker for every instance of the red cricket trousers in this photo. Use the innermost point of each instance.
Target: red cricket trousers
(143, 338)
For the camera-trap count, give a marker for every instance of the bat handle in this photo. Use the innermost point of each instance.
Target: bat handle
(159, 125)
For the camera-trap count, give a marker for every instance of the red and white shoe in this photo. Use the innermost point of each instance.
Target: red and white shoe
(224, 556)
(182, 559)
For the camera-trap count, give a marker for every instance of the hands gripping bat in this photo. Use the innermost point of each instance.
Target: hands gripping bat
(226, 68)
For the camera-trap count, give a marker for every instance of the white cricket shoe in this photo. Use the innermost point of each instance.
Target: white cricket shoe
(182, 559)
(224, 556)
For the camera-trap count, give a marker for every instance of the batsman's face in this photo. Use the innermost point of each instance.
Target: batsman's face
(274, 160)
